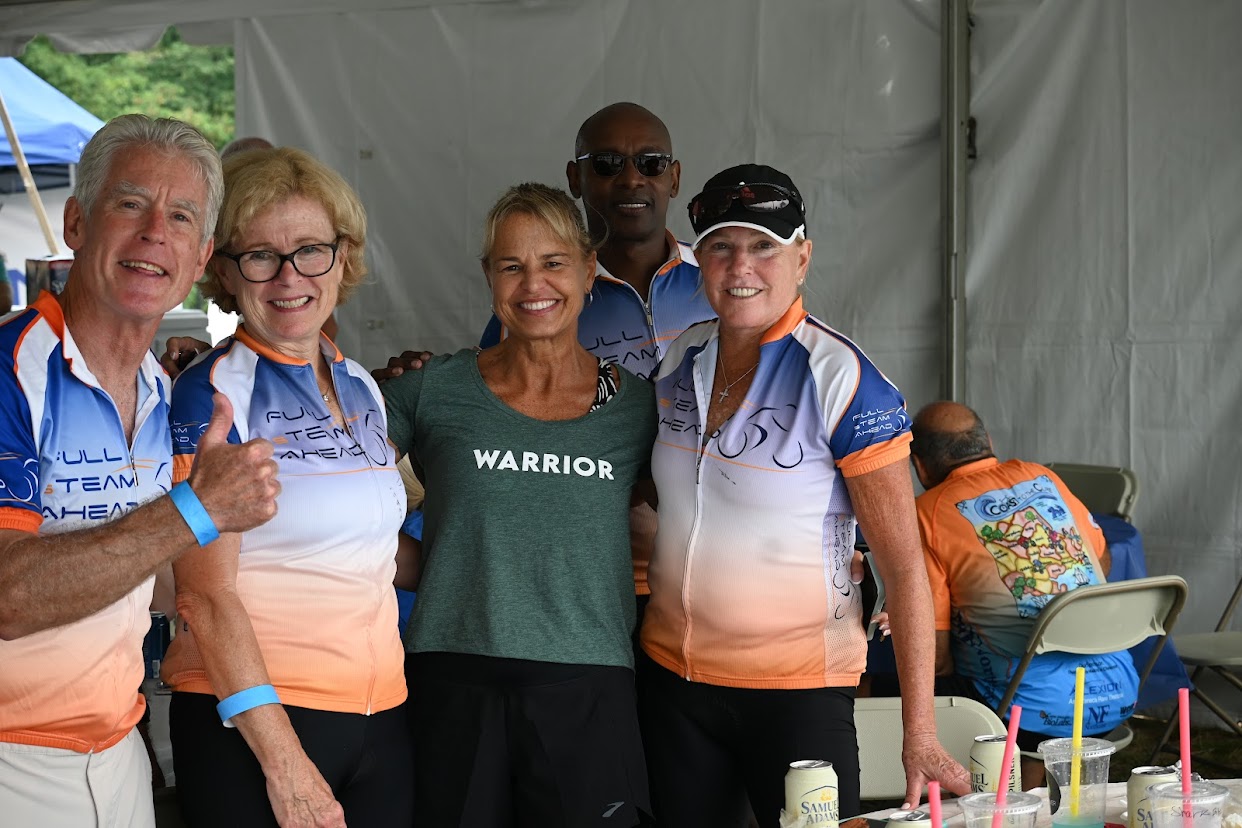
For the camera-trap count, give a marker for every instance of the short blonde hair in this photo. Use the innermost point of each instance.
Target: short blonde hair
(258, 179)
(554, 207)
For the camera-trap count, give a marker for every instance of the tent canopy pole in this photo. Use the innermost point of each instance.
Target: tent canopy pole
(28, 179)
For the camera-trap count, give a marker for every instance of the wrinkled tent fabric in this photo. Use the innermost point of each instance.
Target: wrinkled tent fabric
(51, 127)
(1105, 234)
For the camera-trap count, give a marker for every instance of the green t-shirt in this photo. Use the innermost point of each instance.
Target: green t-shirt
(526, 523)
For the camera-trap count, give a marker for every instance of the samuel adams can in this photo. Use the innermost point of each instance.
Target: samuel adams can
(811, 792)
(1138, 803)
(909, 819)
(986, 755)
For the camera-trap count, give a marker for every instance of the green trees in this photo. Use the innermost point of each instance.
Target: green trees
(174, 79)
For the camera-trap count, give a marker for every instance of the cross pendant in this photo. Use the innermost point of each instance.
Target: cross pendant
(722, 396)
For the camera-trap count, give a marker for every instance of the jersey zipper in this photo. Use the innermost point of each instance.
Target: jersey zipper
(692, 541)
(647, 314)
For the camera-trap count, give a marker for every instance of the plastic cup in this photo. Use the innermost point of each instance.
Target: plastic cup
(1019, 810)
(1204, 807)
(1092, 781)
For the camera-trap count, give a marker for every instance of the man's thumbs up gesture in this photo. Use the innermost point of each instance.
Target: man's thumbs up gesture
(237, 485)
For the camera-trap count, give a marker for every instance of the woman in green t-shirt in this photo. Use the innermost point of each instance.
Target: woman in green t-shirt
(519, 657)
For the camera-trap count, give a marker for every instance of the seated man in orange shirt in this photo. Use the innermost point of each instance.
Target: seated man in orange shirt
(1000, 541)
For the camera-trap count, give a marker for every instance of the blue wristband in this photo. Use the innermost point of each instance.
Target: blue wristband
(244, 700)
(192, 511)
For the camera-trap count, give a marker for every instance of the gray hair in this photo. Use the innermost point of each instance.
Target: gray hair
(166, 135)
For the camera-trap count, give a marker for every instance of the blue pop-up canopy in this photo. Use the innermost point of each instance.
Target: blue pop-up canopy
(51, 127)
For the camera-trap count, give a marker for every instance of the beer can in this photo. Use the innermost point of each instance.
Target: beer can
(811, 793)
(986, 755)
(910, 819)
(155, 645)
(1138, 803)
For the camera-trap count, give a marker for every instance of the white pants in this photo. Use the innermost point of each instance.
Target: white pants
(57, 788)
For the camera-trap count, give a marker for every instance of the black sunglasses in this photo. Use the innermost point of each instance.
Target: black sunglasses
(610, 164)
(758, 198)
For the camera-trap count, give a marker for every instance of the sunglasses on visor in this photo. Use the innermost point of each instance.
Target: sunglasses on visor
(758, 198)
(610, 164)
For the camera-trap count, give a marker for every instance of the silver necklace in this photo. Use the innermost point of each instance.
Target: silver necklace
(725, 392)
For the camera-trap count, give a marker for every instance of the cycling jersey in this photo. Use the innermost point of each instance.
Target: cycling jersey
(316, 580)
(750, 582)
(65, 464)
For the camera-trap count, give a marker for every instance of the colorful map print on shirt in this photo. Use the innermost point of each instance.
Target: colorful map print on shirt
(1031, 535)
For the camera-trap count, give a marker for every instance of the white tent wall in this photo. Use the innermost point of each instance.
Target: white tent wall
(431, 113)
(1105, 304)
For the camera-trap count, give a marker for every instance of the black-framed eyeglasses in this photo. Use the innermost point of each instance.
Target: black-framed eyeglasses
(758, 198)
(610, 164)
(310, 260)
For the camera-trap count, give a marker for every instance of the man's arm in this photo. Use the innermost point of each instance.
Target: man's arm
(883, 502)
(6, 294)
(50, 580)
(398, 365)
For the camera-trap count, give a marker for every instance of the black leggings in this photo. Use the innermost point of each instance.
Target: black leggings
(366, 760)
(711, 748)
(509, 743)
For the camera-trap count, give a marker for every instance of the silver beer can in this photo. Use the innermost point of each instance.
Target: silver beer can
(910, 819)
(811, 792)
(1138, 803)
(986, 755)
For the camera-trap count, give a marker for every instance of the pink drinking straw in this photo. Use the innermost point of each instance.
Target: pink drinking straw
(1183, 720)
(1183, 713)
(933, 803)
(1002, 783)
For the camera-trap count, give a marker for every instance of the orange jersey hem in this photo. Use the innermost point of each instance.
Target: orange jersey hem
(877, 456)
(310, 701)
(23, 520)
(777, 683)
(182, 465)
(77, 745)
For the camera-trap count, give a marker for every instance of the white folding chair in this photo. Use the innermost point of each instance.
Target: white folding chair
(1104, 618)
(1219, 651)
(1108, 490)
(878, 720)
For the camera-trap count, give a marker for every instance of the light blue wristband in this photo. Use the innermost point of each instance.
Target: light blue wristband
(192, 511)
(244, 700)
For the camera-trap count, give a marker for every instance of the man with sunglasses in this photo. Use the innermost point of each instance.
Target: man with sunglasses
(647, 287)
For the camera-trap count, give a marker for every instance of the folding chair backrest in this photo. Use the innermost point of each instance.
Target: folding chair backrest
(1103, 618)
(958, 721)
(1109, 490)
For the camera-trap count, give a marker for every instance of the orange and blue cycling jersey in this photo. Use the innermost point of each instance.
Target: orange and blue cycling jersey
(316, 580)
(750, 581)
(65, 464)
(620, 326)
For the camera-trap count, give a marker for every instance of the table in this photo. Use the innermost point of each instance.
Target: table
(951, 813)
